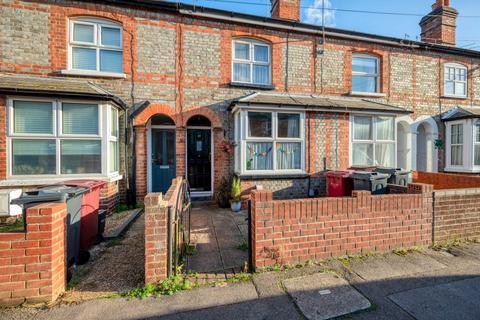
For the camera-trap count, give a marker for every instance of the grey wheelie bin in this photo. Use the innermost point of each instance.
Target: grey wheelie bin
(374, 182)
(398, 176)
(73, 198)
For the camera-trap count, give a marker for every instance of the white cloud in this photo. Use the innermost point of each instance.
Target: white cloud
(313, 14)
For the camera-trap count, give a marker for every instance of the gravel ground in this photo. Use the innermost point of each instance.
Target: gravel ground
(115, 267)
(116, 219)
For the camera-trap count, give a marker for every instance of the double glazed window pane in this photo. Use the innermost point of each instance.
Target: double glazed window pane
(362, 128)
(261, 74)
(457, 155)
(242, 51)
(385, 154)
(364, 65)
(385, 128)
(457, 134)
(455, 81)
(259, 124)
(288, 155)
(241, 72)
(80, 118)
(111, 37)
(260, 53)
(81, 156)
(364, 84)
(111, 61)
(83, 33)
(362, 154)
(32, 117)
(259, 156)
(288, 125)
(84, 58)
(114, 122)
(32, 157)
(113, 162)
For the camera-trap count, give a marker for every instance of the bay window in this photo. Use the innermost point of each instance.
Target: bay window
(251, 62)
(373, 140)
(95, 45)
(56, 138)
(456, 145)
(271, 142)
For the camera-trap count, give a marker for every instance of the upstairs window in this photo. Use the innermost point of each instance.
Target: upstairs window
(365, 74)
(95, 46)
(455, 83)
(251, 62)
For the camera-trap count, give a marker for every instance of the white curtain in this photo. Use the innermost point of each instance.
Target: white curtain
(242, 51)
(259, 156)
(457, 155)
(261, 74)
(362, 154)
(241, 72)
(385, 154)
(260, 53)
(288, 155)
(385, 128)
(477, 155)
(362, 128)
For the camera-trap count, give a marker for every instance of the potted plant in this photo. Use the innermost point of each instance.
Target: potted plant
(235, 195)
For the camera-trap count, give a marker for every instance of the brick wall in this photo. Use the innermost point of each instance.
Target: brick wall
(457, 214)
(32, 263)
(447, 180)
(290, 231)
(109, 196)
(156, 232)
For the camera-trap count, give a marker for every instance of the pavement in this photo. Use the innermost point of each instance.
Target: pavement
(419, 284)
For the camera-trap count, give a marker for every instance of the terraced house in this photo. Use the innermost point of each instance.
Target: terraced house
(137, 92)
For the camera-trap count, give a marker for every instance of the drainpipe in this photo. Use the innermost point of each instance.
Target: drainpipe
(433, 217)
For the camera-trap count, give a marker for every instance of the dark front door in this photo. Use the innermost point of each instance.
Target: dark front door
(199, 165)
(163, 159)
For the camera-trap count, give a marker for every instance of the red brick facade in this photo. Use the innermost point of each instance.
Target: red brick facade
(290, 231)
(32, 264)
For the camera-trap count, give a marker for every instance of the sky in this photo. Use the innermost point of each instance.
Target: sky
(468, 27)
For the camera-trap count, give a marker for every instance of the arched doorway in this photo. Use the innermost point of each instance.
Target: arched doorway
(161, 153)
(425, 155)
(199, 156)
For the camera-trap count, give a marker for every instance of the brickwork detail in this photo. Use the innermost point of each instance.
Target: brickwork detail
(290, 231)
(447, 180)
(32, 263)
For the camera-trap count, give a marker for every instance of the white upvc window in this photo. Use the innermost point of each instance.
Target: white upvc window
(373, 141)
(251, 63)
(55, 138)
(456, 144)
(476, 160)
(271, 142)
(365, 73)
(455, 80)
(95, 46)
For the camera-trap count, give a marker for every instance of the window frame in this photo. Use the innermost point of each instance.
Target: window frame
(103, 137)
(374, 140)
(476, 142)
(97, 24)
(451, 144)
(251, 43)
(242, 138)
(455, 66)
(377, 75)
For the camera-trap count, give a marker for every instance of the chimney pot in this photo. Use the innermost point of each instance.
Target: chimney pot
(440, 25)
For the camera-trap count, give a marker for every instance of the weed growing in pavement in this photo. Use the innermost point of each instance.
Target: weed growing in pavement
(77, 276)
(190, 250)
(240, 277)
(243, 246)
(402, 252)
(449, 244)
(168, 287)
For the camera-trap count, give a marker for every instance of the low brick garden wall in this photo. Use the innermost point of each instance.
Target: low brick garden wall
(447, 180)
(33, 263)
(288, 231)
(156, 232)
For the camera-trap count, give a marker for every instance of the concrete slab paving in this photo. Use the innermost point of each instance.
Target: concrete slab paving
(324, 296)
(454, 300)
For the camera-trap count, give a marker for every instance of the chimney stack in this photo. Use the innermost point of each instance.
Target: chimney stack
(440, 25)
(286, 9)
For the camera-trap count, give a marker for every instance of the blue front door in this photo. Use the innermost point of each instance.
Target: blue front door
(163, 159)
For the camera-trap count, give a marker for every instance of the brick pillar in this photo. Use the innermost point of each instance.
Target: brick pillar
(141, 161)
(261, 209)
(156, 233)
(33, 263)
(180, 147)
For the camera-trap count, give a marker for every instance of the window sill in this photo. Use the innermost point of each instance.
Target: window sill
(39, 181)
(252, 86)
(99, 74)
(367, 94)
(454, 97)
(461, 170)
(267, 176)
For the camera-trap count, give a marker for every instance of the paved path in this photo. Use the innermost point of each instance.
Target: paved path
(217, 235)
